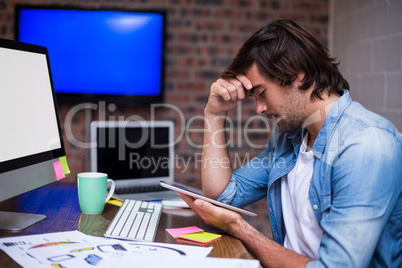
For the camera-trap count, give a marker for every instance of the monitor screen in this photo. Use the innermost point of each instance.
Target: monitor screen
(30, 139)
(133, 151)
(139, 156)
(99, 55)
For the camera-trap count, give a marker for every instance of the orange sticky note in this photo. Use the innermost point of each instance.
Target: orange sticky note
(201, 237)
(58, 170)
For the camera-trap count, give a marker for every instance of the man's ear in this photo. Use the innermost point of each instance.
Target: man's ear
(299, 79)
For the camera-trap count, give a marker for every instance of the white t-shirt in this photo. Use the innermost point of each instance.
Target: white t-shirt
(303, 233)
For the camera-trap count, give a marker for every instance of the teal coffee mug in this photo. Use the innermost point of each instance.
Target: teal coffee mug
(92, 187)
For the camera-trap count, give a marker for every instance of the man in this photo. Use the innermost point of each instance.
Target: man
(331, 171)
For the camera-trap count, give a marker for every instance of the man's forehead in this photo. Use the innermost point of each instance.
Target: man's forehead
(252, 70)
(255, 77)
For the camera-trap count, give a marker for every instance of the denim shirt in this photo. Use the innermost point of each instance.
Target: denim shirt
(355, 191)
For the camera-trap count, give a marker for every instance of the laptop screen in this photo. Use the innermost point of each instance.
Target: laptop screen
(133, 150)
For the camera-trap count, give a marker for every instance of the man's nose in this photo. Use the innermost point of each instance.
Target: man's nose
(261, 107)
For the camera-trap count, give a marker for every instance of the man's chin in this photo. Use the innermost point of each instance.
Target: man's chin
(285, 128)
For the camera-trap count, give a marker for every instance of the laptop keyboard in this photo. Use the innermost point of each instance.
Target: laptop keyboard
(135, 220)
(140, 189)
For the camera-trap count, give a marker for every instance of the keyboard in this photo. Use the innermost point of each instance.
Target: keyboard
(139, 189)
(135, 220)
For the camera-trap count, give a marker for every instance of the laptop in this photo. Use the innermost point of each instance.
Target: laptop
(137, 155)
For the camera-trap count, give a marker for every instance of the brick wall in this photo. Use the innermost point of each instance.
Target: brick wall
(203, 37)
(367, 38)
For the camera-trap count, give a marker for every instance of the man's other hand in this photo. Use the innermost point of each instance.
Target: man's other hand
(222, 218)
(226, 94)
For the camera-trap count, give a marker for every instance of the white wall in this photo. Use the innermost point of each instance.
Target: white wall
(366, 36)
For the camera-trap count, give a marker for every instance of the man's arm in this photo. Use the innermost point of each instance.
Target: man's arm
(365, 191)
(215, 171)
(270, 253)
(216, 167)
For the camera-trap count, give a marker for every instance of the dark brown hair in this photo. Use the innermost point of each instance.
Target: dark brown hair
(282, 49)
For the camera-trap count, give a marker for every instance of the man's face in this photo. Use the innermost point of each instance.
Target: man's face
(286, 106)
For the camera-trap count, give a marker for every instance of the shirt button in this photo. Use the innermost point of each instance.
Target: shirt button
(315, 207)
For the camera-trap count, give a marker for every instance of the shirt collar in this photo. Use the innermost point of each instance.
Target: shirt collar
(330, 123)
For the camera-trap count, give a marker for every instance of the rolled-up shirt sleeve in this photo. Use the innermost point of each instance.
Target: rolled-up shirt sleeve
(248, 184)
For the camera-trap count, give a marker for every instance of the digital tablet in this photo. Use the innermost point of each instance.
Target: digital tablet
(184, 190)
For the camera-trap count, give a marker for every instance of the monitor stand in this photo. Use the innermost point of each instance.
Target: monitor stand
(16, 221)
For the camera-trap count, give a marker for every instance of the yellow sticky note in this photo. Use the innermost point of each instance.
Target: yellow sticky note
(201, 237)
(63, 161)
(115, 202)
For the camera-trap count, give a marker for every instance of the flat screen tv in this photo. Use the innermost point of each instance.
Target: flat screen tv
(99, 55)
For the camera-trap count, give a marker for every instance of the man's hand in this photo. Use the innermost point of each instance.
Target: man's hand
(222, 218)
(263, 248)
(226, 94)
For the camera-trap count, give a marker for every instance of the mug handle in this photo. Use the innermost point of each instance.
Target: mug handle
(111, 191)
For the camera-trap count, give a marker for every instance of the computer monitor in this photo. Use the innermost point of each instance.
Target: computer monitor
(31, 143)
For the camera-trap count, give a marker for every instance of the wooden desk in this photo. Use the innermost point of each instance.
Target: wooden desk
(59, 202)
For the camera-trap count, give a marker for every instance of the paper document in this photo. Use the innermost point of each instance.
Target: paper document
(129, 260)
(18, 246)
(94, 253)
(75, 249)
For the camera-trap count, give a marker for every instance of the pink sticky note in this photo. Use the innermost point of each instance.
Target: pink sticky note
(58, 170)
(175, 232)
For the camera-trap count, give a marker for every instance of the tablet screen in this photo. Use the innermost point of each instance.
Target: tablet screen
(184, 190)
